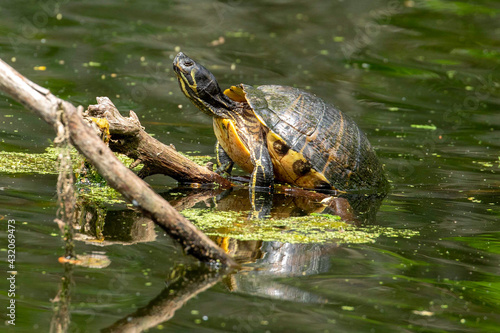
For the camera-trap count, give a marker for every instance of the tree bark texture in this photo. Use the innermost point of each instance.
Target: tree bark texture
(118, 176)
(129, 138)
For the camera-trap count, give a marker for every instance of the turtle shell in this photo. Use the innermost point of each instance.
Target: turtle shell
(305, 132)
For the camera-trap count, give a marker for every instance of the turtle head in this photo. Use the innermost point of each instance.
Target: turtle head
(201, 87)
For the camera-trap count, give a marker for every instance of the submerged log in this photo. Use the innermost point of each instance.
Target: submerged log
(135, 190)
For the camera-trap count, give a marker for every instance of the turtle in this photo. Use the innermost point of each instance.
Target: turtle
(282, 133)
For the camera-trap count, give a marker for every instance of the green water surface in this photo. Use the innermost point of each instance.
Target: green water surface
(420, 78)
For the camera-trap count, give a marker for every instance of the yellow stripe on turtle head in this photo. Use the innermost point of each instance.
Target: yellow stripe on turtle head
(193, 86)
(186, 81)
(183, 86)
(190, 90)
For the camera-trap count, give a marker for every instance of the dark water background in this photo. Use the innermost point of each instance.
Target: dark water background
(421, 78)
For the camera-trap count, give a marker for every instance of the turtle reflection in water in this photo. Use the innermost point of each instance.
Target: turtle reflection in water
(282, 133)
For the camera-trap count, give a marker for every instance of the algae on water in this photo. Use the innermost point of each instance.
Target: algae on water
(201, 160)
(43, 163)
(46, 163)
(95, 189)
(317, 228)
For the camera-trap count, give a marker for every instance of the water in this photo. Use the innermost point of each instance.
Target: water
(421, 78)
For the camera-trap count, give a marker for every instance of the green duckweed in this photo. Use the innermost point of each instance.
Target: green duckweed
(317, 228)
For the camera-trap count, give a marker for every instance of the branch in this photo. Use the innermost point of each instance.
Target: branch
(129, 138)
(134, 189)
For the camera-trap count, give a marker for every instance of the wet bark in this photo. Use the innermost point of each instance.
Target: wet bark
(129, 138)
(135, 190)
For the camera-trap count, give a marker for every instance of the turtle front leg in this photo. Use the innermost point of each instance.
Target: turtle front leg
(262, 182)
(224, 162)
(263, 174)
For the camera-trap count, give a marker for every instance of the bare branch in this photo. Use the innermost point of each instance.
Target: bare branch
(129, 138)
(44, 104)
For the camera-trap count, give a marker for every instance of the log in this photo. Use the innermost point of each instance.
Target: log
(135, 190)
(128, 137)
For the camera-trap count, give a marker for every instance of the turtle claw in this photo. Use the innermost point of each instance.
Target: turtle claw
(225, 170)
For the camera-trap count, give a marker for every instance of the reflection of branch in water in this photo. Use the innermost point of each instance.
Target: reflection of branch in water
(66, 196)
(91, 218)
(186, 197)
(102, 227)
(62, 302)
(190, 283)
(65, 219)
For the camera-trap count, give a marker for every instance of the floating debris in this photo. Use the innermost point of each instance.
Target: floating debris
(93, 260)
(428, 127)
(92, 64)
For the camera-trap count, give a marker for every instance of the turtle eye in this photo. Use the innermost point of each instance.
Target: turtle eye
(188, 63)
